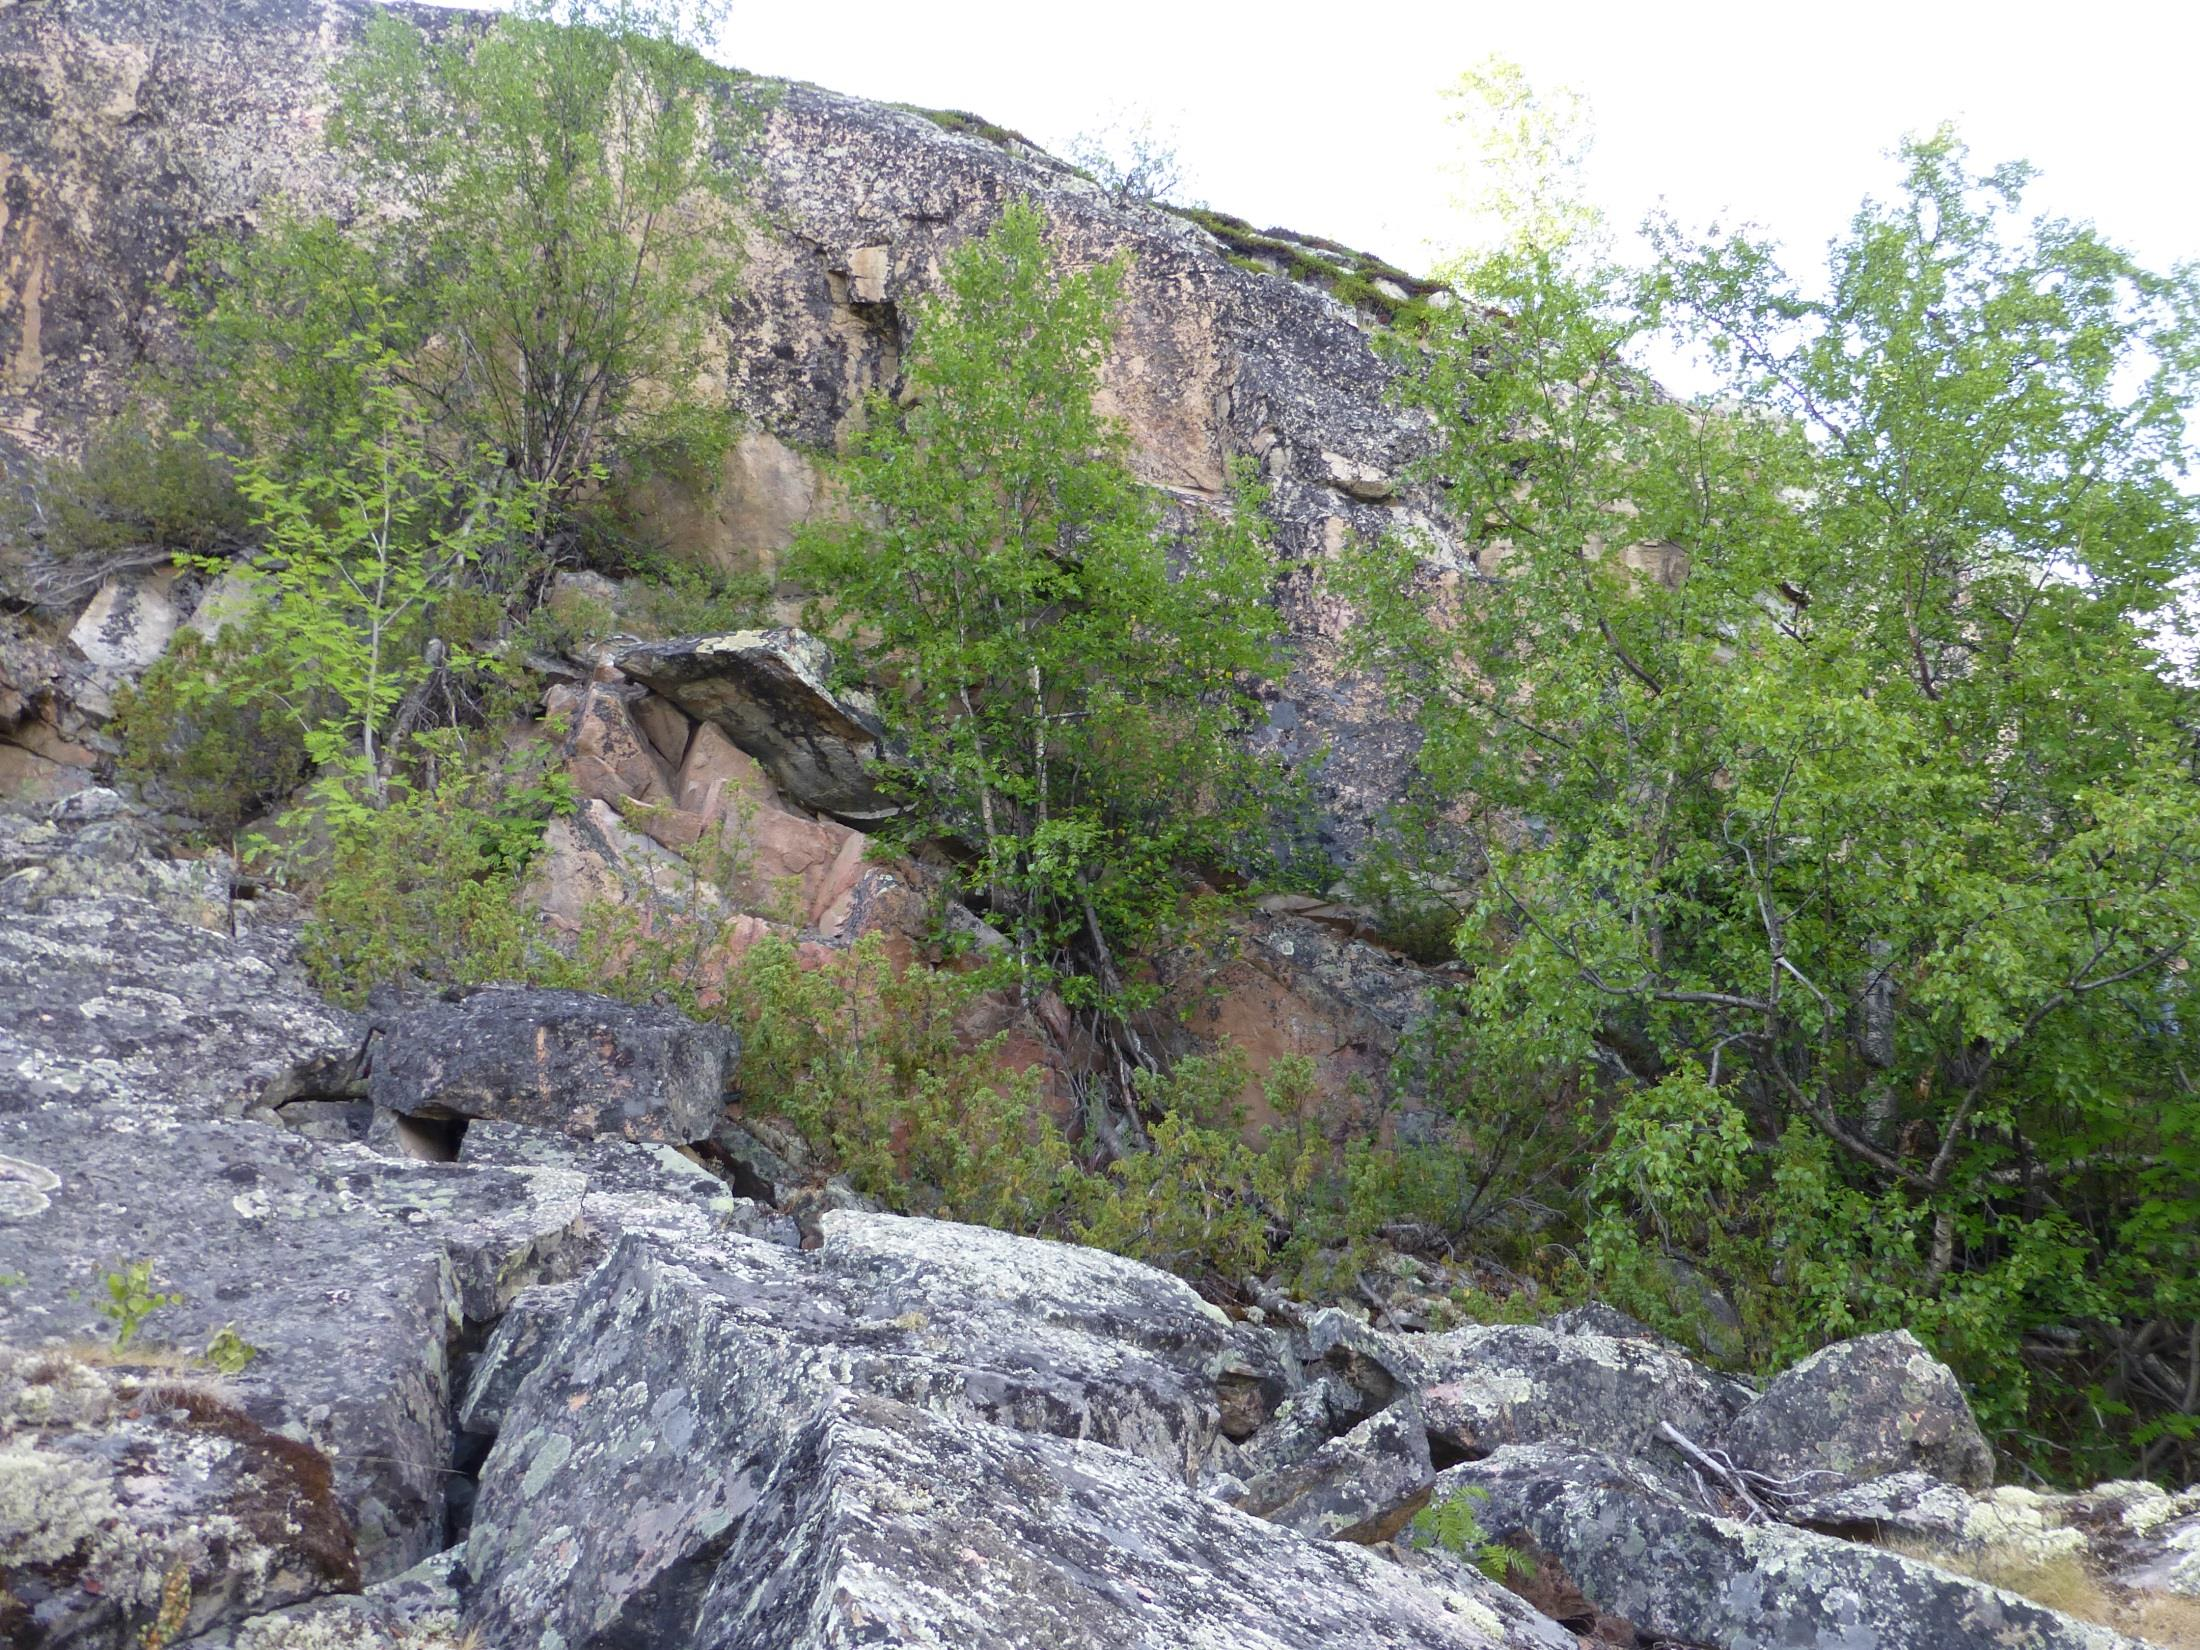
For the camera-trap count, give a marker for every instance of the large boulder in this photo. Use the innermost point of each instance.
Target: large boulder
(1862, 1409)
(353, 1276)
(1039, 1336)
(1681, 1574)
(771, 693)
(567, 1060)
(127, 1497)
(684, 1472)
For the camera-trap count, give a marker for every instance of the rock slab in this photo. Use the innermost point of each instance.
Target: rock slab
(567, 1060)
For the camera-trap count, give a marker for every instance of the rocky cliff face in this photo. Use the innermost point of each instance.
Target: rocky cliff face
(128, 127)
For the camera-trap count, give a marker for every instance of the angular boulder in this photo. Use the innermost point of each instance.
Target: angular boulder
(605, 748)
(121, 978)
(1862, 1409)
(680, 1475)
(770, 692)
(1351, 1485)
(1488, 1385)
(128, 623)
(129, 1498)
(570, 1061)
(353, 1276)
(1685, 1575)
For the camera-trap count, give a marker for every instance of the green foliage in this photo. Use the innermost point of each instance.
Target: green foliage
(131, 1299)
(666, 597)
(1830, 811)
(866, 1060)
(964, 123)
(1453, 1525)
(564, 239)
(136, 495)
(424, 887)
(205, 732)
(361, 549)
(229, 1351)
(1064, 697)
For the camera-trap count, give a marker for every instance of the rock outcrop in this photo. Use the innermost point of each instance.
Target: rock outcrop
(576, 1391)
(1862, 1409)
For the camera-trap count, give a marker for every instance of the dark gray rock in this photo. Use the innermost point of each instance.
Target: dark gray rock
(523, 1338)
(760, 1502)
(1514, 1383)
(1044, 1337)
(1350, 1484)
(418, 1610)
(123, 1490)
(564, 1060)
(1862, 1409)
(771, 693)
(1306, 1419)
(1681, 1573)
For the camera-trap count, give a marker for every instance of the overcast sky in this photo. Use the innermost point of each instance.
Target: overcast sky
(1327, 118)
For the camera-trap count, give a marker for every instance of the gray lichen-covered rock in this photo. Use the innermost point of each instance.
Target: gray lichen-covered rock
(759, 1501)
(106, 998)
(1493, 1384)
(1350, 1484)
(770, 692)
(885, 1305)
(417, 1610)
(565, 1060)
(1673, 1570)
(1498, 1384)
(129, 1495)
(1861, 1409)
(350, 1273)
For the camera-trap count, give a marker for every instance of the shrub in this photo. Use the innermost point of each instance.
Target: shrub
(202, 731)
(426, 887)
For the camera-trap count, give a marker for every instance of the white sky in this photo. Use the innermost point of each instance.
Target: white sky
(1326, 118)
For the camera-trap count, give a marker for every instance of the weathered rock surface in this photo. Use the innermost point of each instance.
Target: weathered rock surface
(770, 692)
(1349, 1483)
(1861, 1409)
(1674, 1570)
(124, 1491)
(770, 1496)
(350, 1272)
(1489, 1385)
(119, 976)
(566, 1060)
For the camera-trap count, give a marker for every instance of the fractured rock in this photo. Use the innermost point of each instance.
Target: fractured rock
(123, 1492)
(1351, 1482)
(347, 1271)
(1673, 1570)
(762, 1499)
